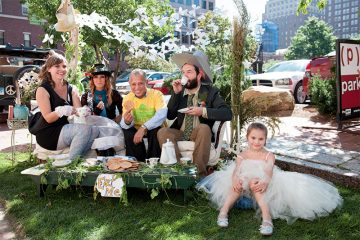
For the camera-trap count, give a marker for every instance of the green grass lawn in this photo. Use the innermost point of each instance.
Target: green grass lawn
(73, 214)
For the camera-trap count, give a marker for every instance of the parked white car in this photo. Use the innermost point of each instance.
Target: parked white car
(285, 75)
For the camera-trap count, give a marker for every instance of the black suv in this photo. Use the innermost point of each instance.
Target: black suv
(14, 63)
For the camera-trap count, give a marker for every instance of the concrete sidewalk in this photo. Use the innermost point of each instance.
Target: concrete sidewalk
(319, 149)
(6, 231)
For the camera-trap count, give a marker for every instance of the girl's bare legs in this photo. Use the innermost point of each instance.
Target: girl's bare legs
(229, 202)
(265, 212)
(266, 226)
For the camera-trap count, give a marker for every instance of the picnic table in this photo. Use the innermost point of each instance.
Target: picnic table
(182, 180)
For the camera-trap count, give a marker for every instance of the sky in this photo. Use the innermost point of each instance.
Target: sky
(255, 8)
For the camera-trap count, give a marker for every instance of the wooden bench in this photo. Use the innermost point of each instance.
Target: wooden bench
(183, 181)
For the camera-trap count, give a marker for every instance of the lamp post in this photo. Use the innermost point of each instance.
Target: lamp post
(257, 65)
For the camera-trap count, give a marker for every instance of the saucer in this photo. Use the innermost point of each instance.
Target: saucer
(183, 110)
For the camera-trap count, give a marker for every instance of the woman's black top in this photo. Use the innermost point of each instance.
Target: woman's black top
(87, 100)
(48, 136)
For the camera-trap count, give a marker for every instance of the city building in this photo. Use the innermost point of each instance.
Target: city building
(189, 24)
(268, 36)
(343, 16)
(283, 14)
(15, 26)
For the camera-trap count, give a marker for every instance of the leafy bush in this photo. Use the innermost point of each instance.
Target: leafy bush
(323, 94)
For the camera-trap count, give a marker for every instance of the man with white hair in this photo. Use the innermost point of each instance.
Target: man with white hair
(200, 105)
(144, 112)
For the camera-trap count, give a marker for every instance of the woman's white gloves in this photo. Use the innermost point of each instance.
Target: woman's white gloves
(64, 110)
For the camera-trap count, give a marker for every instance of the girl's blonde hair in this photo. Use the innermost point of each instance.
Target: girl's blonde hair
(108, 88)
(53, 59)
(259, 126)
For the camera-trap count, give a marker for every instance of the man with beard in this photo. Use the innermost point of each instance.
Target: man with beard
(200, 105)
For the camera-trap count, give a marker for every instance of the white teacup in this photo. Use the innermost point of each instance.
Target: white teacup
(82, 111)
(184, 80)
(185, 160)
(152, 162)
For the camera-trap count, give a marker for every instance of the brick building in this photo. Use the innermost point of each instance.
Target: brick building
(16, 28)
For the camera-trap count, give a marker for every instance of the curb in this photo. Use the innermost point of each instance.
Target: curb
(5, 227)
(336, 175)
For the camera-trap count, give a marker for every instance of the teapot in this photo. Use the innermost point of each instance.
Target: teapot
(168, 155)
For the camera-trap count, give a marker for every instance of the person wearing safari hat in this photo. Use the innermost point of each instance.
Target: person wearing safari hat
(101, 98)
(200, 105)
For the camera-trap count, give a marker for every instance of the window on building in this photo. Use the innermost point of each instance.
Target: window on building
(346, 11)
(0, 5)
(354, 3)
(172, 1)
(2, 37)
(193, 22)
(24, 9)
(211, 6)
(27, 39)
(188, 2)
(196, 2)
(203, 4)
(184, 38)
(185, 21)
(177, 34)
(181, 1)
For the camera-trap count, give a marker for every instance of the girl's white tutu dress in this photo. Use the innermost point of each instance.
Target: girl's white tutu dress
(290, 195)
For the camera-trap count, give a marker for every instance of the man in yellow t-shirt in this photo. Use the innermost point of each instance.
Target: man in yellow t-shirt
(144, 111)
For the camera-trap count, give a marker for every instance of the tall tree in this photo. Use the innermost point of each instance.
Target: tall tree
(315, 38)
(218, 30)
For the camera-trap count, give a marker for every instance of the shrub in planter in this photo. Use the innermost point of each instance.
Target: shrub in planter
(323, 94)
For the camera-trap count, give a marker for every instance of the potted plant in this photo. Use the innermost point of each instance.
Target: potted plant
(25, 91)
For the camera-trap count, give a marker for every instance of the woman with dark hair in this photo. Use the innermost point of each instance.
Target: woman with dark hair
(101, 98)
(57, 100)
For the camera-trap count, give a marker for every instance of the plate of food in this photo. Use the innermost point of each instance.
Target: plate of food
(183, 110)
(121, 164)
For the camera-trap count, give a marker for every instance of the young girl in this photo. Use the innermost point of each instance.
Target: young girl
(279, 194)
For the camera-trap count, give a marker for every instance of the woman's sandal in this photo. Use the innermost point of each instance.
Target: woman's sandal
(266, 228)
(222, 220)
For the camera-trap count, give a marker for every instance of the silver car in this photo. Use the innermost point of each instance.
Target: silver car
(286, 75)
